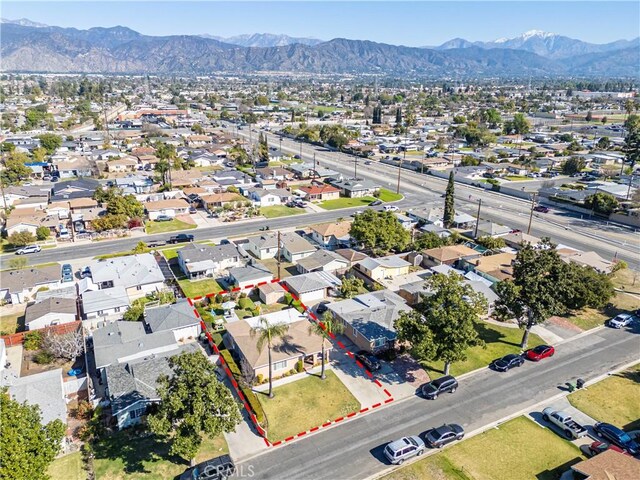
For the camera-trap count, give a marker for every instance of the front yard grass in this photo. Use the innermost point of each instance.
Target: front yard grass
(613, 400)
(590, 317)
(276, 211)
(124, 456)
(346, 202)
(515, 450)
(389, 196)
(170, 226)
(627, 279)
(199, 288)
(500, 341)
(516, 178)
(306, 403)
(68, 467)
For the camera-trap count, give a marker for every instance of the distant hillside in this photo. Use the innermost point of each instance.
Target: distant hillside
(264, 40)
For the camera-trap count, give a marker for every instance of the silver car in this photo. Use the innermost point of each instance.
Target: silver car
(400, 450)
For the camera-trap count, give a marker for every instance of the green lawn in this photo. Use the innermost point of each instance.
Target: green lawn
(198, 288)
(346, 203)
(280, 211)
(613, 400)
(389, 196)
(11, 323)
(68, 467)
(627, 280)
(516, 450)
(306, 403)
(500, 341)
(170, 226)
(122, 456)
(590, 317)
(516, 178)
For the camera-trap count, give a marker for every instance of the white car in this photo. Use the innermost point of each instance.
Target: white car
(390, 208)
(28, 249)
(621, 320)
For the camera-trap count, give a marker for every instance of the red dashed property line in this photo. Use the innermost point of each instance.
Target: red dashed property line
(190, 301)
(366, 409)
(377, 382)
(350, 354)
(196, 313)
(388, 400)
(376, 405)
(369, 374)
(387, 392)
(340, 344)
(266, 441)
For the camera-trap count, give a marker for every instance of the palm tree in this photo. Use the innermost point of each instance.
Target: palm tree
(267, 334)
(330, 326)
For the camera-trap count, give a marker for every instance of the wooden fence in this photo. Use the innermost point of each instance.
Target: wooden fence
(18, 338)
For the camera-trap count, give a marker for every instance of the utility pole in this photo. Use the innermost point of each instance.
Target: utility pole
(314, 165)
(399, 170)
(355, 168)
(279, 275)
(402, 159)
(424, 157)
(475, 233)
(533, 204)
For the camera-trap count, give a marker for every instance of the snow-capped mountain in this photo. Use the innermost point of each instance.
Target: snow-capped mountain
(546, 44)
(25, 22)
(264, 40)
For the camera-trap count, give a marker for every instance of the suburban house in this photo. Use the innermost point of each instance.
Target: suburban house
(169, 208)
(292, 246)
(83, 187)
(448, 255)
(350, 255)
(608, 465)
(518, 239)
(320, 192)
(295, 247)
(271, 293)
(177, 317)
(383, 267)
(273, 173)
(198, 260)
(323, 261)
(310, 287)
(332, 234)
(487, 228)
(46, 390)
(300, 344)
(139, 274)
(106, 304)
(18, 286)
(215, 200)
(369, 318)
(268, 197)
(263, 246)
(250, 275)
(494, 268)
(434, 216)
(124, 164)
(50, 311)
(356, 188)
(588, 259)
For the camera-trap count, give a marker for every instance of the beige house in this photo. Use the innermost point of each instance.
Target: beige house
(447, 255)
(271, 293)
(124, 164)
(383, 267)
(332, 234)
(299, 344)
(494, 268)
(170, 208)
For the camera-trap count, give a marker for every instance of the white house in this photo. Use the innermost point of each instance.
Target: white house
(138, 274)
(106, 304)
(177, 317)
(50, 311)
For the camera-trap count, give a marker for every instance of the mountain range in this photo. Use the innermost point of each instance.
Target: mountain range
(27, 46)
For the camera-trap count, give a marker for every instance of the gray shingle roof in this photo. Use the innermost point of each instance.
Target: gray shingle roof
(170, 317)
(310, 282)
(49, 305)
(106, 299)
(197, 252)
(43, 389)
(320, 259)
(127, 271)
(253, 272)
(18, 280)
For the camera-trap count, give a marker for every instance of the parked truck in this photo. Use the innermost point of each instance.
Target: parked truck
(563, 420)
(181, 238)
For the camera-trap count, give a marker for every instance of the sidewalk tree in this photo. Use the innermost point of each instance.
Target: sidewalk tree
(444, 325)
(193, 403)
(602, 202)
(449, 202)
(28, 446)
(267, 334)
(331, 326)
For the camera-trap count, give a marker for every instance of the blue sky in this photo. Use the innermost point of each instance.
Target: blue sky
(414, 23)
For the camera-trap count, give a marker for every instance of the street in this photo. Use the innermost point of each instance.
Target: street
(354, 450)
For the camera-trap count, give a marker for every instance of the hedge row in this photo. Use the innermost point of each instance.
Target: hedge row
(252, 400)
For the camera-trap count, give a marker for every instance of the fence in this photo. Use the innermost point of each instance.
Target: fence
(18, 338)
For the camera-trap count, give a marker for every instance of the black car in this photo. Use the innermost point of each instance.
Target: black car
(617, 436)
(219, 468)
(439, 437)
(375, 203)
(322, 307)
(181, 238)
(368, 360)
(440, 385)
(509, 361)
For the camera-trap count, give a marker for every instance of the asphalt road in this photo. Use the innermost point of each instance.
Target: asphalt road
(354, 450)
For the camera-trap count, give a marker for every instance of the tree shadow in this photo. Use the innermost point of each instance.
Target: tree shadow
(555, 473)
(490, 335)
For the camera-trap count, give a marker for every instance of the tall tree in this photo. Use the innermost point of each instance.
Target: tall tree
(445, 324)
(27, 447)
(267, 334)
(193, 403)
(331, 326)
(632, 140)
(449, 202)
(537, 291)
(380, 230)
(15, 171)
(50, 142)
(602, 202)
(399, 116)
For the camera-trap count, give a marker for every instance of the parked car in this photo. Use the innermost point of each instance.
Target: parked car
(219, 468)
(406, 447)
(193, 210)
(28, 249)
(598, 447)
(368, 162)
(507, 362)
(181, 238)
(356, 213)
(540, 208)
(440, 385)
(563, 420)
(67, 277)
(67, 268)
(163, 218)
(322, 307)
(538, 353)
(375, 203)
(617, 436)
(621, 320)
(439, 437)
(85, 272)
(390, 208)
(368, 360)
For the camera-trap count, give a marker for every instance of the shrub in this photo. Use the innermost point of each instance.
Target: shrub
(288, 298)
(252, 400)
(299, 366)
(42, 232)
(43, 357)
(243, 295)
(32, 341)
(246, 303)
(260, 379)
(218, 298)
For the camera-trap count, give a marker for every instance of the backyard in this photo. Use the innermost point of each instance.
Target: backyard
(499, 341)
(11, 323)
(199, 288)
(68, 467)
(306, 403)
(170, 226)
(346, 202)
(613, 400)
(276, 211)
(124, 456)
(497, 454)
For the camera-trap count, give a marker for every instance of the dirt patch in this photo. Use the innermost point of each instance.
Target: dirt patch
(186, 219)
(30, 367)
(564, 324)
